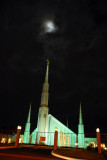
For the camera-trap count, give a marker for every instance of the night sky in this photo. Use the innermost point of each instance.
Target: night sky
(76, 49)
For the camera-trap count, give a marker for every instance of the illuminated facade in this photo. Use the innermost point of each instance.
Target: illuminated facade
(47, 124)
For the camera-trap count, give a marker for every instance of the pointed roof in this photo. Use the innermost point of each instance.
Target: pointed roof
(80, 115)
(47, 71)
(28, 119)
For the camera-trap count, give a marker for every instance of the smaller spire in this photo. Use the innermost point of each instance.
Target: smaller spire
(28, 119)
(47, 71)
(80, 115)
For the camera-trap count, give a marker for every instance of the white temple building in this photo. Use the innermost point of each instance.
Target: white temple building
(47, 124)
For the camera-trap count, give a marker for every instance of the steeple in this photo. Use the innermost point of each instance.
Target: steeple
(27, 128)
(47, 71)
(28, 119)
(45, 94)
(81, 136)
(42, 125)
(80, 115)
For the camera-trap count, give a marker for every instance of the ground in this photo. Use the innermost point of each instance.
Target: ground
(89, 155)
(44, 151)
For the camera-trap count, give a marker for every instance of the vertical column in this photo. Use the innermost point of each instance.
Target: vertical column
(18, 136)
(98, 140)
(55, 138)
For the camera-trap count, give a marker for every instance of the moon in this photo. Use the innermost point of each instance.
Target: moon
(49, 27)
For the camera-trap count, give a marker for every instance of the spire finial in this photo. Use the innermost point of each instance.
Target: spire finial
(47, 71)
(28, 119)
(80, 115)
(47, 62)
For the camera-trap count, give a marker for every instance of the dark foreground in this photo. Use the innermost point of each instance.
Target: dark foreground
(82, 154)
(25, 153)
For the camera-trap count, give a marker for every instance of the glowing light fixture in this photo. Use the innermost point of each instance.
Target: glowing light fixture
(103, 145)
(9, 140)
(76, 144)
(56, 129)
(20, 140)
(97, 130)
(3, 140)
(19, 127)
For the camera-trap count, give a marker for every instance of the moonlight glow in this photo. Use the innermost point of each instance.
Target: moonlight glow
(49, 27)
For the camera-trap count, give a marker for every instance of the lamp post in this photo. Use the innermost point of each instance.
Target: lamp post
(98, 140)
(18, 136)
(55, 138)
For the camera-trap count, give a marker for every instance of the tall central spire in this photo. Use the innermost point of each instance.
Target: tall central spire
(45, 94)
(80, 116)
(47, 71)
(42, 125)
